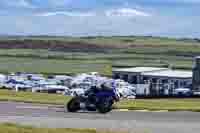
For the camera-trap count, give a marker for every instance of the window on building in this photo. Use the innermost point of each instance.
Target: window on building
(165, 81)
(181, 83)
(133, 80)
(185, 83)
(154, 80)
(144, 80)
(116, 76)
(176, 84)
(125, 77)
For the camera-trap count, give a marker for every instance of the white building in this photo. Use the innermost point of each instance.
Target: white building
(161, 81)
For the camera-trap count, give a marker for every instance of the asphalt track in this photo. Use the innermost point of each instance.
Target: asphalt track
(136, 122)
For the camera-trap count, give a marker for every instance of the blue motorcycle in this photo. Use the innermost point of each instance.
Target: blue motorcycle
(94, 100)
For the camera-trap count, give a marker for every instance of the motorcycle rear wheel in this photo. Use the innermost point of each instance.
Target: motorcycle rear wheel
(73, 105)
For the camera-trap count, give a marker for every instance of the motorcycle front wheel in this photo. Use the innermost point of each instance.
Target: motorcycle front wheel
(105, 105)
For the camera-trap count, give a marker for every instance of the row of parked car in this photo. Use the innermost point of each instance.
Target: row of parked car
(64, 84)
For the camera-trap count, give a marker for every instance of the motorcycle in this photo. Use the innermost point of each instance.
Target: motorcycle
(94, 100)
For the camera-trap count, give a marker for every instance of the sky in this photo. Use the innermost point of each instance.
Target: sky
(171, 18)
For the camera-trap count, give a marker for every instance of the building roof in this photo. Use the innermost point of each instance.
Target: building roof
(197, 57)
(140, 69)
(170, 73)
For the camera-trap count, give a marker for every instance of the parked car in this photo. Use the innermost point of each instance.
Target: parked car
(183, 92)
(196, 93)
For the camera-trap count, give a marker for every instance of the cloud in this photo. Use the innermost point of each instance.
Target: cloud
(121, 12)
(99, 25)
(100, 17)
(66, 13)
(88, 4)
(126, 12)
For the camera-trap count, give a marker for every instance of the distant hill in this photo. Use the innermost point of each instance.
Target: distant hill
(93, 43)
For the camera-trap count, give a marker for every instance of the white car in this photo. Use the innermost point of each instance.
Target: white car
(131, 97)
(182, 92)
(77, 91)
(196, 93)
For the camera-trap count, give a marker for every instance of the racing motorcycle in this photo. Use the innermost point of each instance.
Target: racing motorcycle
(94, 100)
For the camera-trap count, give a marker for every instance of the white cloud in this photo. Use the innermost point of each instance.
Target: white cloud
(99, 25)
(126, 12)
(113, 20)
(71, 14)
(122, 12)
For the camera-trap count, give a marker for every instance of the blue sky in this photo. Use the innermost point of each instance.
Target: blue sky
(174, 18)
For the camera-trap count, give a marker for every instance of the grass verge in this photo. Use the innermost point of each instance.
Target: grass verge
(161, 104)
(14, 128)
(138, 104)
(29, 97)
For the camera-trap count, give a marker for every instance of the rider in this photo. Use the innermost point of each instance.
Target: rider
(106, 86)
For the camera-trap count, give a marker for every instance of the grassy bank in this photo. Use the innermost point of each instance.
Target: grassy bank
(42, 98)
(149, 104)
(13, 128)
(75, 55)
(15, 64)
(161, 104)
(25, 60)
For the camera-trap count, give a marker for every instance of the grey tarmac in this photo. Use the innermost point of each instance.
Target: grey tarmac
(136, 122)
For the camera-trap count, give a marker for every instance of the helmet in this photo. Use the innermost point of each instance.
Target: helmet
(107, 85)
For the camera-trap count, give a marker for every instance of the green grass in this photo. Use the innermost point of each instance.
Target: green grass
(15, 128)
(150, 104)
(15, 64)
(161, 104)
(26, 60)
(124, 51)
(45, 54)
(43, 98)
